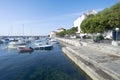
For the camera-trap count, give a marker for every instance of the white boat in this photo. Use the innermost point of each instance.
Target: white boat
(42, 45)
(53, 41)
(15, 45)
(6, 40)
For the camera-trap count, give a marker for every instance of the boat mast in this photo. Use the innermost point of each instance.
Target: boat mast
(23, 30)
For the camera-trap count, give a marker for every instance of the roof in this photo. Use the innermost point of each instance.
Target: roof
(53, 31)
(61, 29)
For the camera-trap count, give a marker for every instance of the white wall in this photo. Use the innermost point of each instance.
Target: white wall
(78, 22)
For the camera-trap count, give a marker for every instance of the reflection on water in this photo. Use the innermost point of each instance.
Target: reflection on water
(38, 65)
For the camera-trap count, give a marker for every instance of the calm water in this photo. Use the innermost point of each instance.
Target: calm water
(39, 65)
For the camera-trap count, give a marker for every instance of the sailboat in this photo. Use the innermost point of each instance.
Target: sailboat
(17, 42)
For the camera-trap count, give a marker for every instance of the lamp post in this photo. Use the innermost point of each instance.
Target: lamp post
(117, 29)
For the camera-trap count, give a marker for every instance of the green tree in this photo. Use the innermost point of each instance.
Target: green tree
(62, 33)
(70, 31)
(108, 19)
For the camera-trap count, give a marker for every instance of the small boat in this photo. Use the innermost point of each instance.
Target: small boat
(1, 42)
(16, 44)
(43, 47)
(24, 49)
(6, 40)
(53, 41)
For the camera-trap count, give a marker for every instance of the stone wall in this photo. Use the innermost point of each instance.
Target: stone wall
(88, 64)
(82, 64)
(109, 49)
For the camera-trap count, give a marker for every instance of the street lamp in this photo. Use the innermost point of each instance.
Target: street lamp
(117, 29)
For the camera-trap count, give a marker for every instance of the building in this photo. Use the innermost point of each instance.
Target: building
(60, 30)
(53, 34)
(79, 20)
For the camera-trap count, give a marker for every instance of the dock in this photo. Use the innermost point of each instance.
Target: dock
(99, 61)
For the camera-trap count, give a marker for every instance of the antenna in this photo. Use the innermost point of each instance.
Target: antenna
(10, 31)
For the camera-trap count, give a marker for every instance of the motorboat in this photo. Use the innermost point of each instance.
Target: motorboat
(1, 42)
(42, 45)
(25, 49)
(53, 41)
(16, 44)
(6, 40)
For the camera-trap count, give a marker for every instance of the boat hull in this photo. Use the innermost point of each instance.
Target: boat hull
(25, 49)
(43, 48)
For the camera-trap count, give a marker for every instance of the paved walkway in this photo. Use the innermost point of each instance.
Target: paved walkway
(105, 65)
(104, 46)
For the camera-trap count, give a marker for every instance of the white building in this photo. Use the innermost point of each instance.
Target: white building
(53, 34)
(60, 30)
(79, 20)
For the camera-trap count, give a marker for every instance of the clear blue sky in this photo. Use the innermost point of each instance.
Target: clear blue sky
(40, 17)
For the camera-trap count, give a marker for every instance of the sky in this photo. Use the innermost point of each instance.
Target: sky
(40, 17)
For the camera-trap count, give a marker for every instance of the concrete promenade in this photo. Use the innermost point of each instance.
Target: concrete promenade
(99, 61)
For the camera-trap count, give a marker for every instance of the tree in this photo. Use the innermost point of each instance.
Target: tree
(108, 19)
(70, 31)
(61, 34)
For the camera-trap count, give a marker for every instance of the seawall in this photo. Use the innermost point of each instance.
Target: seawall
(107, 49)
(95, 65)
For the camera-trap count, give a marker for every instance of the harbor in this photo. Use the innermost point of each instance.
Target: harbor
(44, 57)
(59, 40)
(38, 65)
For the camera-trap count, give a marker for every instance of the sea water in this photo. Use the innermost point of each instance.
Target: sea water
(38, 65)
